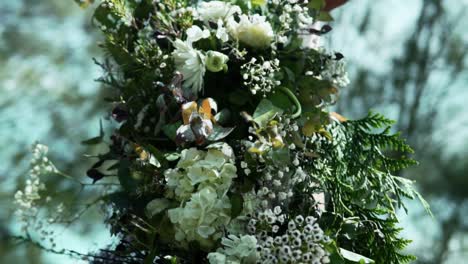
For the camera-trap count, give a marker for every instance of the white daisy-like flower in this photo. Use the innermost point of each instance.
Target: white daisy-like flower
(253, 31)
(214, 10)
(191, 63)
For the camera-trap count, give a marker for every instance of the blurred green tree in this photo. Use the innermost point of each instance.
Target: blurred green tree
(49, 95)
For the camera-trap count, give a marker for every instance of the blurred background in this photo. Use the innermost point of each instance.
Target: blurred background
(407, 59)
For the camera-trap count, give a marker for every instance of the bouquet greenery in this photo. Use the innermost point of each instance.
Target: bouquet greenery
(225, 150)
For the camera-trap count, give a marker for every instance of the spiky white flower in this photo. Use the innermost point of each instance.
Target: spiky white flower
(191, 63)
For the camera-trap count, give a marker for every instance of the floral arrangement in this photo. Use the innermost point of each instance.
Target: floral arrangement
(225, 150)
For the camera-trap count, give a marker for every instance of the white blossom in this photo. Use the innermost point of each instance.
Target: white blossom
(27, 199)
(235, 250)
(221, 32)
(195, 34)
(191, 63)
(214, 10)
(253, 31)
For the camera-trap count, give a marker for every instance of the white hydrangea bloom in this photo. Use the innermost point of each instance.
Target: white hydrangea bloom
(235, 250)
(214, 168)
(202, 218)
(190, 62)
(218, 258)
(214, 10)
(202, 178)
(253, 31)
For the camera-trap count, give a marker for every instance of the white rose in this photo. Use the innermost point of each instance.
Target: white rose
(253, 31)
(214, 10)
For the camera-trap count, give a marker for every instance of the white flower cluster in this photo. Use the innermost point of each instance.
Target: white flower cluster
(278, 179)
(259, 76)
(235, 250)
(27, 199)
(202, 178)
(253, 31)
(293, 11)
(335, 71)
(302, 241)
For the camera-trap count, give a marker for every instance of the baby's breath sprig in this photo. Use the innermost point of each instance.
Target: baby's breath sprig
(260, 76)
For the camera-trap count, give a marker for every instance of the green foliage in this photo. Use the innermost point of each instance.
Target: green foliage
(355, 169)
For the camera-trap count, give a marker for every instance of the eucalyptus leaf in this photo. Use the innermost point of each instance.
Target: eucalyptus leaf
(172, 156)
(219, 133)
(154, 161)
(223, 116)
(265, 112)
(156, 206)
(354, 257)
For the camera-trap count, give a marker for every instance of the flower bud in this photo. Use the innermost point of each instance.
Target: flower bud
(216, 61)
(258, 2)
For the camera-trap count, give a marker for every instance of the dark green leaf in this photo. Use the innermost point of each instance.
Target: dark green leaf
(125, 177)
(239, 97)
(317, 4)
(237, 204)
(171, 129)
(325, 17)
